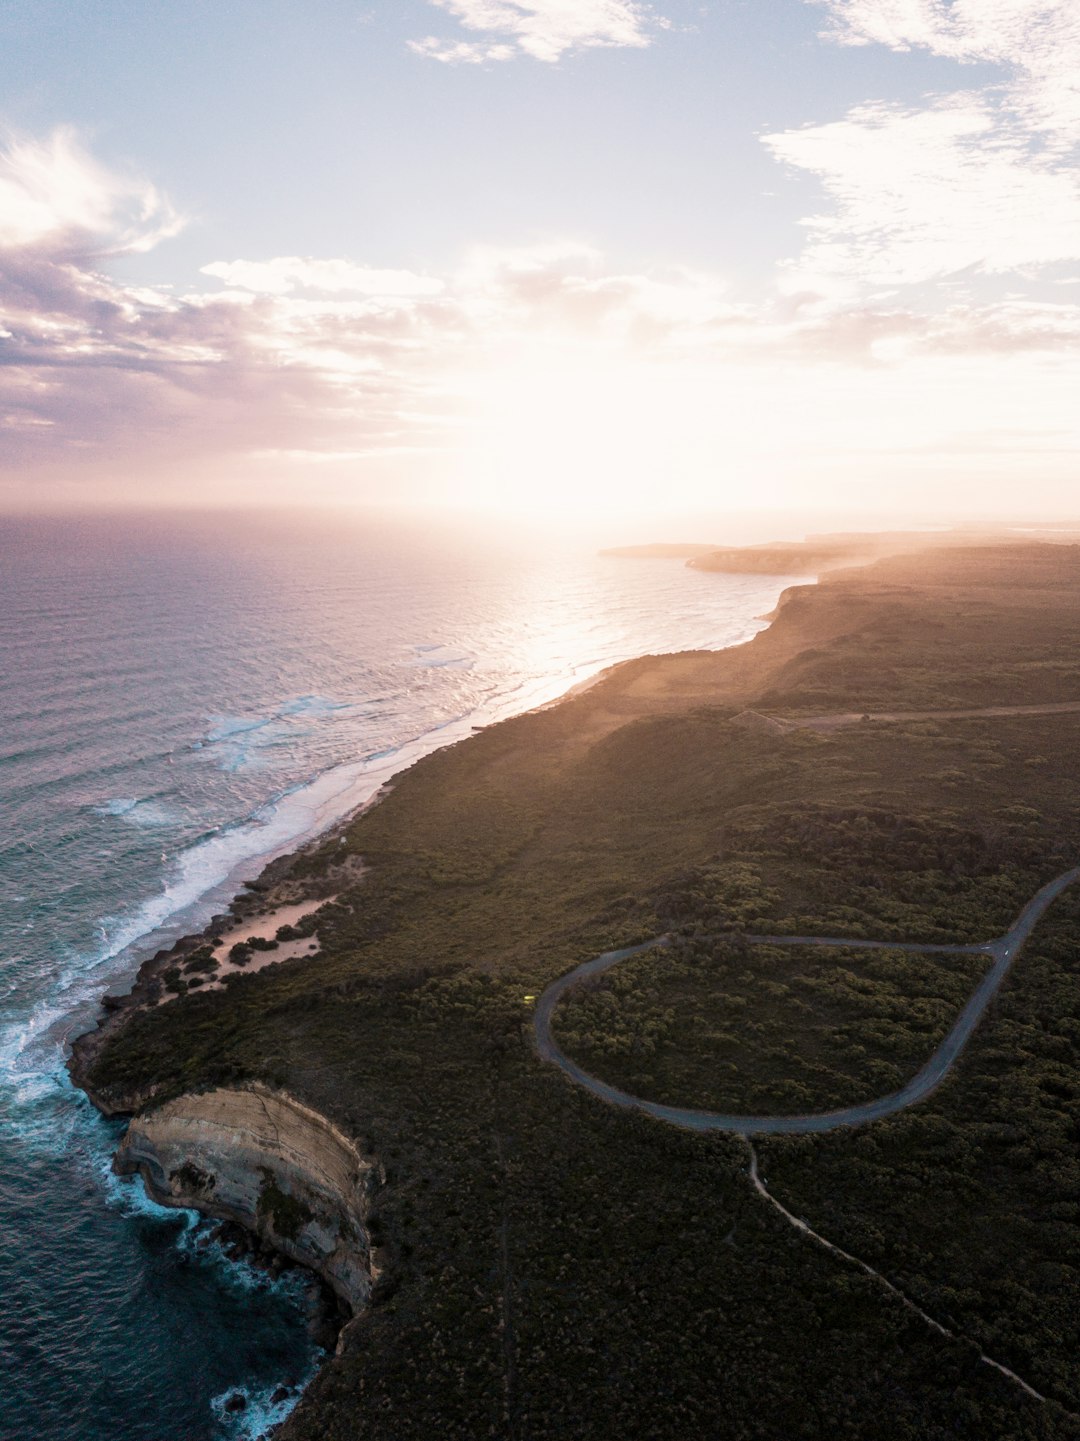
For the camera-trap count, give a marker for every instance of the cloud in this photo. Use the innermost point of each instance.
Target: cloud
(542, 29)
(95, 369)
(461, 52)
(924, 193)
(979, 179)
(542, 356)
(58, 199)
(1037, 42)
(288, 274)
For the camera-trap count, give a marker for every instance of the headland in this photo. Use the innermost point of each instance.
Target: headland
(552, 1267)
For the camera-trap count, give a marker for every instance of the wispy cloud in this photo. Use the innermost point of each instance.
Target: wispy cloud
(1037, 41)
(921, 194)
(55, 197)
(542, 29)
(980, 179)
(288, 274)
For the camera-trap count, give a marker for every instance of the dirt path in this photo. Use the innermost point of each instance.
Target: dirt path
(848, 718)
(1001, 953)
(905, 1300)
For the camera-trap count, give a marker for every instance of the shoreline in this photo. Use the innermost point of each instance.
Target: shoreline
(273, 886)
(116, 1006)
(641, 688)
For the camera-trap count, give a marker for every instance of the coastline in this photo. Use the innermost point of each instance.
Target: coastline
(275, 884)
(335, 799)
(646, 733)
(255, 897)
(260, 876)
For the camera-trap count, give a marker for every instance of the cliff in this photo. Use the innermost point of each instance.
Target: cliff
(819, 554)
(264, 1160)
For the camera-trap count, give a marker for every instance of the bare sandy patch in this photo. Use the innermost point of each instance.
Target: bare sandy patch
(264, 928)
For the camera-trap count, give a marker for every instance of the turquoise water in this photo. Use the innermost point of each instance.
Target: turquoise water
(180, 700)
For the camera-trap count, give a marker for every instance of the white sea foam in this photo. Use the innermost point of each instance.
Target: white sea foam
(260, 1414)
(206, 874)
(145, 812)
(225, 727)
(315, 705)
(118, 807)
(129, 1196)
(199, 879)
(239, 741)
(493, 663)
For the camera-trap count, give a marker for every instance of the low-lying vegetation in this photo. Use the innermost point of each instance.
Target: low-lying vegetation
(558, 1270)
(765, 1030)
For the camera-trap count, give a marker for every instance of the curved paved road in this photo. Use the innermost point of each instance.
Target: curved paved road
(1001, 953)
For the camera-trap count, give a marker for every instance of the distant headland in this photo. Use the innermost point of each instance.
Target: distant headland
(816, 554)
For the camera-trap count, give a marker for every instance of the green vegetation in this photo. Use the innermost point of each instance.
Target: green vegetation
(287, 1215)
(201, 961)
(558, 1270)
(173, 981)
(971, 1202)
(194, 1179)
(767, 1030)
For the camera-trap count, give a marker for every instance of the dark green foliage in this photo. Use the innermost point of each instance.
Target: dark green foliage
(201, 961)
(765, 1029)
(972, 1201)
(287, 1214)
(194, 1180)
(557, 1270)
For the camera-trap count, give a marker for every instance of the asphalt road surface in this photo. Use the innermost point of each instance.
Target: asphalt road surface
(1001, 954)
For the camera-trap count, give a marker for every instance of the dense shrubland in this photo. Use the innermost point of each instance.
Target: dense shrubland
(560, 1271)
(765, 1029)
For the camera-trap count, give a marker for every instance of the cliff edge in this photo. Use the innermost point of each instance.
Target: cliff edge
(260, 1158)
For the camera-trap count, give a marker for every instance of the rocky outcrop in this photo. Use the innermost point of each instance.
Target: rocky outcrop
(261, 1158)
(284, 882)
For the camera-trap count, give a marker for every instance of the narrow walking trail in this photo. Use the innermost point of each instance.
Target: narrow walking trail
(1001, 954)
(848, 718)
(806, 1230)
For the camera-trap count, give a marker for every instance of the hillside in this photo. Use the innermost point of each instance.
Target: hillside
(553, 1268)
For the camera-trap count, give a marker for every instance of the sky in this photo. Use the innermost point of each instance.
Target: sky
(543, 258)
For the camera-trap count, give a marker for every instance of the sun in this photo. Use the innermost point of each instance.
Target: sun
(582, 430)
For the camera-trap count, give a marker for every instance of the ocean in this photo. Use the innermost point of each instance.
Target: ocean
(182, 698)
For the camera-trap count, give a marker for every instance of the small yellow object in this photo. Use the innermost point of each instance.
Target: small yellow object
(529, 999)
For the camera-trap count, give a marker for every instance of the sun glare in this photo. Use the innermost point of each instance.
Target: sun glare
(582, 431)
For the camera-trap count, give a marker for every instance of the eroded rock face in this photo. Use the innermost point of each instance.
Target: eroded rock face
(261, 1158)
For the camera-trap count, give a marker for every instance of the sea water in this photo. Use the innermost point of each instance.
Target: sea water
(180, 699)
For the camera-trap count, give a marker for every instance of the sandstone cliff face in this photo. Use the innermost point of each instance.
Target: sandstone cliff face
(261, 1158)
